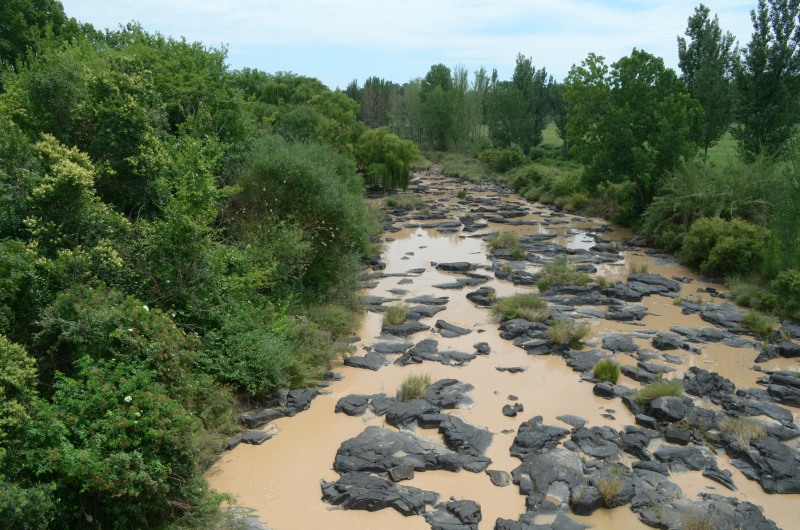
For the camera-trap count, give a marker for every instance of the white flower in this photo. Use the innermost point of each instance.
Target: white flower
(145, 308)
(128, 399)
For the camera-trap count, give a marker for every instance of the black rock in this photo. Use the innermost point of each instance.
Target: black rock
(362, 491)
(404, 414)
(512, 410)
(676, 435)
(464, 438)
(626, 313)
(499, 478)
(721, 477)
(682, 458)
(535, 438)
(454, 515)
(598, 442)
(255, 437)
(449, 394)
(707, 385)
(353, 405)
(773, 464)
(258, 418)
(371, 361)
(429, 300)
(604, 390)
(451, 330)
(300, 399)
(460, 266)
(405, 329)
(582, 361)
(619, 343)
(482, 348)
(402, 472)
(668, 408)
(484, 296)
(646, 421)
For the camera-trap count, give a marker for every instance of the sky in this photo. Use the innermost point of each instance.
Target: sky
(337, 41)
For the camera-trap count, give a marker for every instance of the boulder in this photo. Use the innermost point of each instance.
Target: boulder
(449, 394)
(464, 438)
(362, 491)
(680, 459)
(535, 438)
(371, 361)
(668, 408)
(619, 343)
(405, 414)
(707, 385)
(454, 515)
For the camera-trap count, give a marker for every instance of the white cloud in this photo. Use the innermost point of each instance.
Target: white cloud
(556, 33)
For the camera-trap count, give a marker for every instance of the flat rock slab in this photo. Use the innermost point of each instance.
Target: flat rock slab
(405, 329)
(464, 438)
(371, 361)
(619, 343)
(449, 394)
(362, 491)
(455, 515)
(451, 330)
(534, 438)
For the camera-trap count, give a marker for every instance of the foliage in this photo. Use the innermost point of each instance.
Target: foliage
(414, 387)
(736, 189)
(607, 370)
(385, 159)
(507, 241)
(395, 315)
(560, 272)
(759, 324)
(720, 248)
(526, 306)
(503, 159)
(706, 63)
(404, 200)
(744, 430)
(658, 388)
(632, 122)
(767, 77)
(695, 520)
(315, 190)
(609, 483)
(464, 168)
(437, 101)
(568, 332)
(517, 110)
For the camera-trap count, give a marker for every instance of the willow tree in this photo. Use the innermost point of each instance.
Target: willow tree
(385, 159)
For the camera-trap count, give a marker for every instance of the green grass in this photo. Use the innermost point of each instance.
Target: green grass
(403, 200)
(414, 387)
(462, 194)
(568, 332)
(759, 324)
(694, 520)
(335, 319)
(744, 430)
(549, 136)
(657, 389)
(464, 167)
(527, 306)
(395, 315)
(507, 241)
(636, 268)
(723, 151)
(609, 485)
(607, 370)
(561, 272)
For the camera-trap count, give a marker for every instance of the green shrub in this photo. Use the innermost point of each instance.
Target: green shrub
(578, 201)
(395, 315)
(786, 286)
(527, 306)
(561, 272)
(721, 248)
(744, 430)
(335, 319)
(403, 200)
(568, 332)
(507, 241)
(462, 194)
(503, 160)
(414, 387)
(464, 168)
(524, 178)
(658, 388)
(385, 158)
(759, 324)
(607, 370)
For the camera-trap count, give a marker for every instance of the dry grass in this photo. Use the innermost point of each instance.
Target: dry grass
(414, 387)
(743, 430)
(568, 332)
(527, 306)
(395, 315)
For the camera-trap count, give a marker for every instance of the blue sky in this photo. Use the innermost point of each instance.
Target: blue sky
(337, 41)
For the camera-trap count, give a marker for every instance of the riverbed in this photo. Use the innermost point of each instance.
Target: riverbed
(280, 479)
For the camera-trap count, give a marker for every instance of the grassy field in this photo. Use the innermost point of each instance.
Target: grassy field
(722, 152)
(549, 137)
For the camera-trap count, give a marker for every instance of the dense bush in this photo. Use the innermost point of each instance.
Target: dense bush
(719, 248)
(385, 159)
(503, 159)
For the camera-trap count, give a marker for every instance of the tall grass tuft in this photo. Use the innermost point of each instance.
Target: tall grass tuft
(743, 430)
(657, 389)
(607, 370)
(568, 332)
(395, 315)
(414, 387)
(403, 200)
(759, 324)
(561, 272)
(507, 241)
(527, 306)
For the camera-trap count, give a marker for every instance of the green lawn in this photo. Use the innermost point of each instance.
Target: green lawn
(549, 136)
(723, 151)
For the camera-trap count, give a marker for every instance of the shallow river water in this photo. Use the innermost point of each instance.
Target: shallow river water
(280, 479)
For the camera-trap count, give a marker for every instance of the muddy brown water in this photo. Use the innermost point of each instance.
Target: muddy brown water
(280, 479)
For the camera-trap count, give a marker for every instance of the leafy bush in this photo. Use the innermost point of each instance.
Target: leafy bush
(560, 272)
(657, 389)
(720, 248)
(786, 286)
(502, 160)
(568, 332)
(759, 324)
(404, 200)
(414, 387)
(525, 178)
(527, 306)
(607, 370)
(507, 241)
(695, 190)
(464, 168)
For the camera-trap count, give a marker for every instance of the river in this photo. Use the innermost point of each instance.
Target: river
(280, 479)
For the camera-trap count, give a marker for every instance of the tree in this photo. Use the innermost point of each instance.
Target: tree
(436, 96)
(768, 78)
(376, 102)
(706, 62)
(385, 158)
(517, 110)
(632, 123)
(558, 113)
